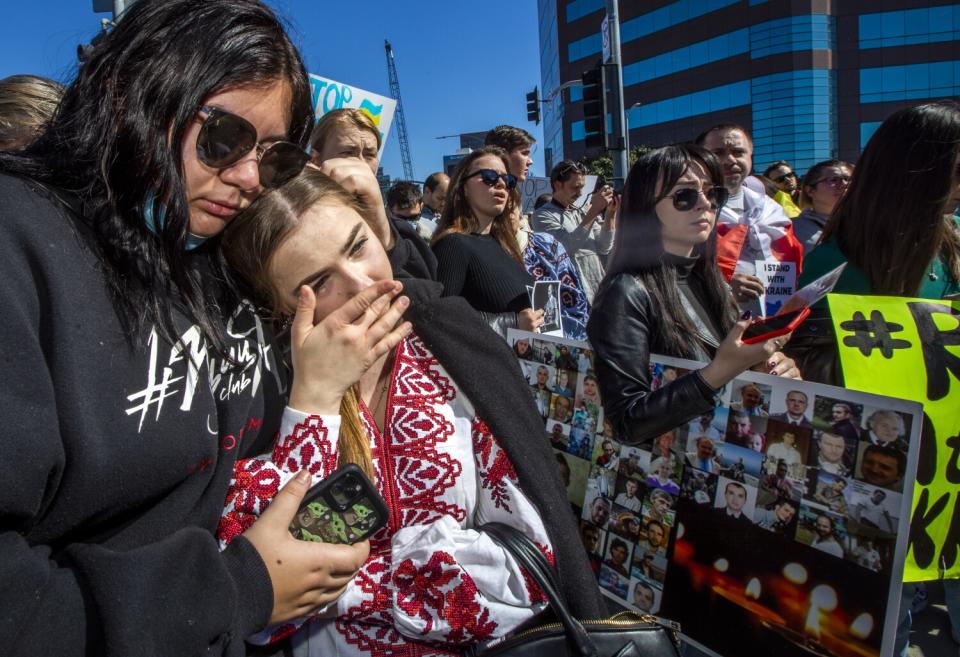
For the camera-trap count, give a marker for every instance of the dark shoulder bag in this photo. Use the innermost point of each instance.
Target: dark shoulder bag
(625, 635)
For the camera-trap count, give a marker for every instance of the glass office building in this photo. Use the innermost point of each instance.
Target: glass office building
(812, 79)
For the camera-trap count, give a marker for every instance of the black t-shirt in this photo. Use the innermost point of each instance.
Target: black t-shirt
(476, 268)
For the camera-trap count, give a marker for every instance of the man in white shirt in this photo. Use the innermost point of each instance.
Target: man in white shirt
(825, 540)
(628, 498)
(873, 512)
(751, 226)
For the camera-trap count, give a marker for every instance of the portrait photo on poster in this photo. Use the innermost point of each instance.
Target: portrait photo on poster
(781, 514)
(546, 297)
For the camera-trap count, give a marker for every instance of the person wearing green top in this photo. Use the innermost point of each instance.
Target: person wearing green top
(896, 230)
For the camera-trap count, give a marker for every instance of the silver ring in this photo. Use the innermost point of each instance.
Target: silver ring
(778, 343)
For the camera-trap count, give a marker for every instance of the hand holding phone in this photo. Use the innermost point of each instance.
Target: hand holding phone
(343, 508)
(304, 576)
(772, 327)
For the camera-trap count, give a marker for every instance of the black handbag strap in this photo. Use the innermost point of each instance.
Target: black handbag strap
(528, 555)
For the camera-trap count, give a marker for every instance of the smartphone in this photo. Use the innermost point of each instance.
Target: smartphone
(343, 508)
(771, 327)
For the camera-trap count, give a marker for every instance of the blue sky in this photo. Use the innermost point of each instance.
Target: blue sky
(463, 66)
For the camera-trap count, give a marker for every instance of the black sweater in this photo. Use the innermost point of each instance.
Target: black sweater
(477, 268)
(115, 459)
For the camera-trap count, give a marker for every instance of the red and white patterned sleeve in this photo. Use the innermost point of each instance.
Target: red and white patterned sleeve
(304, 442)
(454, 584)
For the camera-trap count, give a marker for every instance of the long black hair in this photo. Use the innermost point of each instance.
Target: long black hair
(116, 142)
(891, 221)
(638, 248)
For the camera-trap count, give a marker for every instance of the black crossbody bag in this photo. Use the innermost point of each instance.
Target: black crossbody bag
(624, 635)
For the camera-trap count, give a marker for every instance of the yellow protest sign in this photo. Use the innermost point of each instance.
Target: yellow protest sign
(910, 348)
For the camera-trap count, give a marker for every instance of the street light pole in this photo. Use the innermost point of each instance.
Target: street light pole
(620, 137)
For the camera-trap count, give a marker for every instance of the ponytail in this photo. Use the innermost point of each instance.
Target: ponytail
(353, 444)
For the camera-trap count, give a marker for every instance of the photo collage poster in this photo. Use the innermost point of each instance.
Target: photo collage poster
(774, 524)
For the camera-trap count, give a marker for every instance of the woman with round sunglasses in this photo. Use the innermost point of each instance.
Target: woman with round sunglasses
(823, 186)
(418, 406)
(135, 374)
(477, 253)
(664, 294)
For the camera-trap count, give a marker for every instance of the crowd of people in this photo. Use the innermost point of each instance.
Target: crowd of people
(211, 306)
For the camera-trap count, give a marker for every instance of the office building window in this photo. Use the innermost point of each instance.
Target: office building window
(692, 56)
(649, 23)
(910, 82)
(794, 118)
(580, 8)
(866, 131)
(811, 32)
(910, 27)
(582, 48)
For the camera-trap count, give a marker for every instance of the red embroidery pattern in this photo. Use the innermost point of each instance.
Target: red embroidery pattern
(254, 485)
(418, 467)
(420, 590)
(232, 524)
(307, 446)
(494, 467)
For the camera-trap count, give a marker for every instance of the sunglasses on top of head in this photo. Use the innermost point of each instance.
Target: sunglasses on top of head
(686, 198)
(489, 177)
(226, 138)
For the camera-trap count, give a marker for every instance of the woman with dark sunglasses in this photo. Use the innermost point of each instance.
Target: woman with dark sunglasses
(823, 186)
(477, 253)
(134, 374)
(664, 294)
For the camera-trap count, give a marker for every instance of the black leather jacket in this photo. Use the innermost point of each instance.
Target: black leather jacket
(621, 332)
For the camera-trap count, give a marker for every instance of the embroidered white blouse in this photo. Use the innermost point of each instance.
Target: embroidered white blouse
(431, 581)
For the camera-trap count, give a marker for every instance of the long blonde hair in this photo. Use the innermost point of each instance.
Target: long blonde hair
(249, 243)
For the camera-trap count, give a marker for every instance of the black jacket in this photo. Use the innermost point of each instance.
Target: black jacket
(116, 457)
(621, 331)
(485, 367)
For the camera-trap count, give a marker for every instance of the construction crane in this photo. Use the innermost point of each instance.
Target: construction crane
(398, 119)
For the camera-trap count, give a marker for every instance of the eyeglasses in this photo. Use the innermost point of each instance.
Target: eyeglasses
(225, 139)
(686, 199)
(780, 179)
(833, 181)
(489, 177)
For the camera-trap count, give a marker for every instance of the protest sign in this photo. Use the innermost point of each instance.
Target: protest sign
(779, 283)
(910, 348)
(764, 527)
(534, 186)
(328, 95)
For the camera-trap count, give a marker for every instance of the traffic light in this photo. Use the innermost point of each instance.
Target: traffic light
(533, 105)
(595, 107)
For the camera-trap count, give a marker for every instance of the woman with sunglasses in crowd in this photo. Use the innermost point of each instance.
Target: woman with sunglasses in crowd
(477, 253)
(421, 412)
(664, 294)
(135, 376)
(898, 231)
(824, 185)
